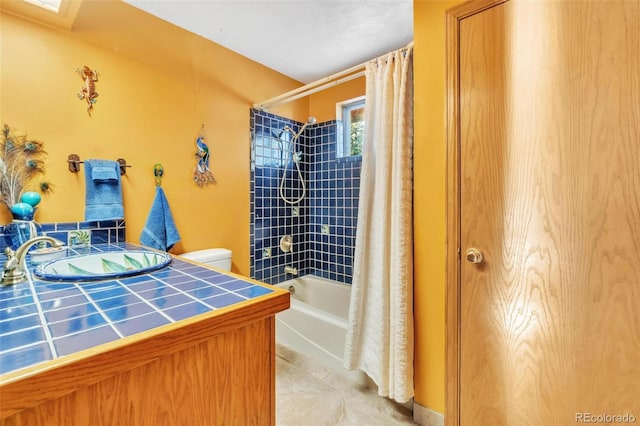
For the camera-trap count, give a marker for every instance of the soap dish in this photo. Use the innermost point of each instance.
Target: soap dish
(47, 253)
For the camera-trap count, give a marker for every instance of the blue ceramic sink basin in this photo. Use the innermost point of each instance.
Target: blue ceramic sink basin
(100, 266)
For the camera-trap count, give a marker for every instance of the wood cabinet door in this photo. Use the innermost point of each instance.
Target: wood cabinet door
(548, 191)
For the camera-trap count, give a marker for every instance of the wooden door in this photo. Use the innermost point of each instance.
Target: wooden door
(546, 185)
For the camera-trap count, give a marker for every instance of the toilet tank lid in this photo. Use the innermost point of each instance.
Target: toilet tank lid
(208, 254)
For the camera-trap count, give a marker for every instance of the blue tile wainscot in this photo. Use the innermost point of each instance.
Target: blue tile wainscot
(182, 345)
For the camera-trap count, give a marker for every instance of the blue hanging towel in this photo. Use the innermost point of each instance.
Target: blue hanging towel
(160, 231)
(105, 175)
(103, 199)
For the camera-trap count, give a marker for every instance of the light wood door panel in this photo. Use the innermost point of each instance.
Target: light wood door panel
(549, 186)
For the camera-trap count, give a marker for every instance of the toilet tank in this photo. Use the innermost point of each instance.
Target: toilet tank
(219, 258)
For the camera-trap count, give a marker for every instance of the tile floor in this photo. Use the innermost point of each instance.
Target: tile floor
(308, 393)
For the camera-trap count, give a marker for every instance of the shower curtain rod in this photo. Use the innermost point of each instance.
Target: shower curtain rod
(289, 96)
(316, 86)
(310, 88)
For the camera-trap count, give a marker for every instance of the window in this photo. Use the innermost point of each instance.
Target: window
(351, 114)
(51, 5)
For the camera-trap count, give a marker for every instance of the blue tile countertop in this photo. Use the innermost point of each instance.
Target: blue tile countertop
(42, 320)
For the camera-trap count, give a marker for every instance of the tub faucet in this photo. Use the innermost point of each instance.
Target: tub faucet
(290, 270)
(14, 269)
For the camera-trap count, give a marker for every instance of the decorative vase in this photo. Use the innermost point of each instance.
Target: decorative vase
(20, 231)
(22, 211)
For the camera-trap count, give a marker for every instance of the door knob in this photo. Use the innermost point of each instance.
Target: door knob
(475, 256)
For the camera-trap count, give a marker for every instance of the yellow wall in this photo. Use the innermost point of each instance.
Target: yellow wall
(322, 105)
(429, 201)
(152, 102)
(157, 85)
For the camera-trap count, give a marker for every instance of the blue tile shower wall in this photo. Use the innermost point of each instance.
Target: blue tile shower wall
(271, 217)
(105, 231)
(334, 188)
(323, 224)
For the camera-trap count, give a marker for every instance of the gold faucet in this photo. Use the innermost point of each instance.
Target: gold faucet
(290, 270)
(14, 270)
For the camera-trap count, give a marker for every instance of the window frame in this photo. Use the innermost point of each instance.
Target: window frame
(50, 5)
(344, 123)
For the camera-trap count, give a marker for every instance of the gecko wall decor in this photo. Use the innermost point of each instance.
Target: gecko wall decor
(88, 91)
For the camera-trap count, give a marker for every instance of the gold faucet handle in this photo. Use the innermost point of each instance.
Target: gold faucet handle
(14, 269)
(12, 260)
(11, 273)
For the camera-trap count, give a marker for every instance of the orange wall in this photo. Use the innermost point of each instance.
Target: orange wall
(322, 105)
(157, 85)
(152, 102)
(429, 201)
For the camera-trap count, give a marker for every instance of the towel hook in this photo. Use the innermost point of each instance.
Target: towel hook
(158, 171)
(74, 164)
(123, 166)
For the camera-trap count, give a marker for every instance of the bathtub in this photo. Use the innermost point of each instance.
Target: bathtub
(316, 323)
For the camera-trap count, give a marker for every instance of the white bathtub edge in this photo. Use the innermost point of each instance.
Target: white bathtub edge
(288, 336)
(308, 328)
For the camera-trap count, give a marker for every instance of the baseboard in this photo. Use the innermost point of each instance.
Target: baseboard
(425, 416)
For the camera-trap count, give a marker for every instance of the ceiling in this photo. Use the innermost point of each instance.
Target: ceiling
(303, 39)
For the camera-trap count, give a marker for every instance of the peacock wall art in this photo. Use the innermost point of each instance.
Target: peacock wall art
(22, 167)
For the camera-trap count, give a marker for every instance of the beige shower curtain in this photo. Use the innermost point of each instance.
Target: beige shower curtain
(380, 329)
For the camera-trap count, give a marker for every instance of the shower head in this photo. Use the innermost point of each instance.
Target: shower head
(310, 120)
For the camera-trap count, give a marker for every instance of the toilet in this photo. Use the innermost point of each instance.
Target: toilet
(219, 258)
